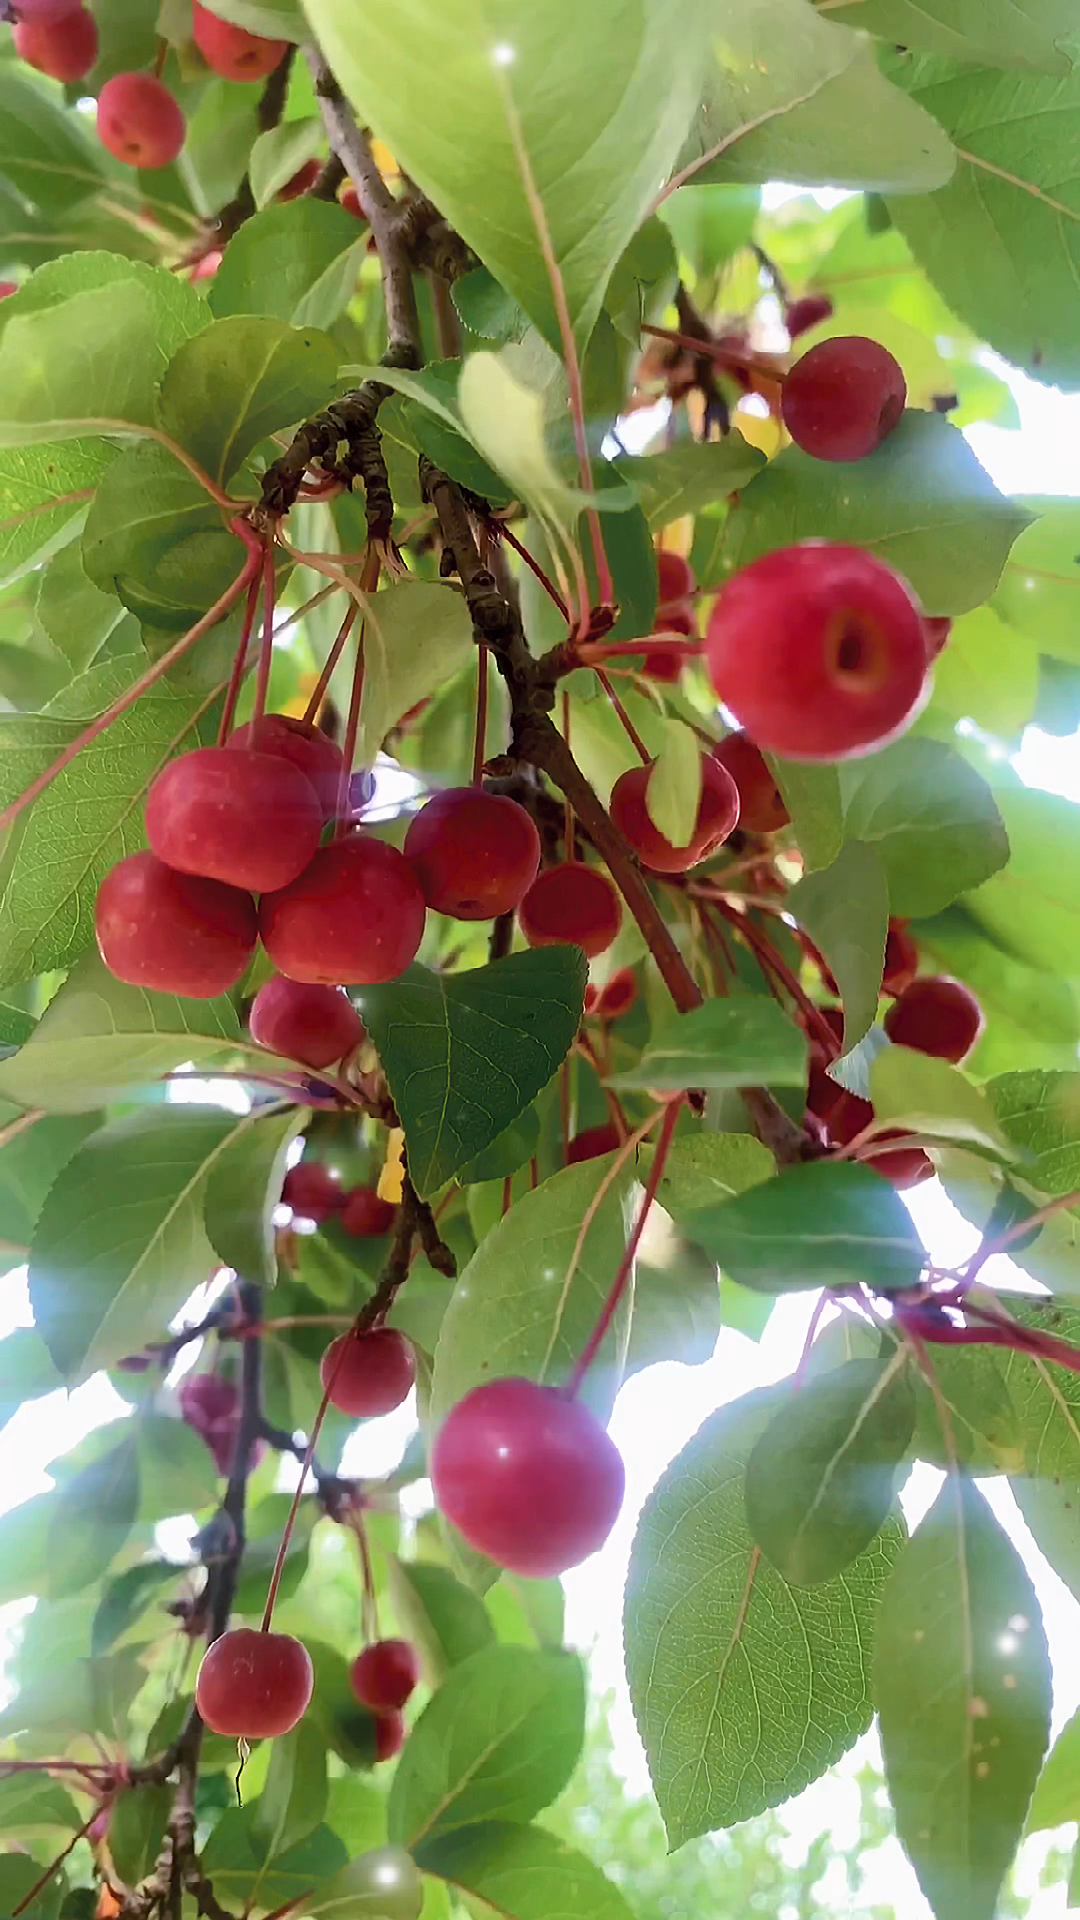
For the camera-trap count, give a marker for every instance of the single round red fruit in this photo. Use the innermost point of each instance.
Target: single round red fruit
(367, 1374)
(385, 1675)
(475, 854)
(253, 1685)
(901, 959)
(938, 628)
(139, 122)
(718, 813)
(617, 995)
(311, 1190)
(818, 651)
(679, 616)
(249, 819)
(65, 49)
(762, 808)
(528, 1476)
(843, 397)
(936, 1015)
(902, 1167)
(172, 932)
(809, 310)
(206, 1398)
(591, 1142)
(232, 51)
(316, 1025)
(349, 198)
(36, 10)
(664, 665)
(674, 577)
(305, 745)
(365, 1216)
(302, 181)
(571, 904)
(389, 1735)
(354, 917)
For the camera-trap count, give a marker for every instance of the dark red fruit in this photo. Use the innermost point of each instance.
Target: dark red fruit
(901, 959)
(302, 181)
(316, 1025)
(172, 932)
(350, 200)
(475, 854)
(818, 651)
(718, 813)
(252, 1685)
(354, 917)
(664, 666)
(937, 631)
(37, 10)
(843, 397)
(936, 1015)
(232, 51)
(761, 804)
(389, 1735)
(385, 1675)
(312, 1191)
(591, 1142)
(674, 577)
(249, 819)
(809, 310)
(617, 996)
(528, 1476)
(571, 904)
(365, 1216)
(307, 747)
(844, 1114)
(207, 1397)
(139, 122)
(678, 616)
(7, 288)
(367, 1374)
(65, 49)
(904, 1166)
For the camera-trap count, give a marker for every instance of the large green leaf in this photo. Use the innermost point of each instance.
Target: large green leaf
(704, 1169)
(745, 1688)
(1057, 1796)
(522, 1873)
(824, 1224)
(994, 33)
(962, 1688)
(586, 139)
(685, 478)
(444, 1619)
(240, 380)
(416, 637)
(45, 154)
(932, 821)
(466, 1053)
(812, 796)
(499, 1741)
(42, 490)
(1040, 1113)
(930, 1096)
(845, 910)
(242, 1192)
(1040, 587)
(739, 1042)
(94, 1513)
(298, 262)
(1032, 906)
(1046, 1401)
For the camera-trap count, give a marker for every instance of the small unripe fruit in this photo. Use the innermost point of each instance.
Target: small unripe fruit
(310, 751)
(253, 1685)
(368, 1374)
(936, 1015)
(316, 1025)
(571, 904)
(139, 122)
(718, 813)
(843, 397)
(385, 1675)
(231, 51)
(474, 854)
(762, 808)
(311, 1190)
(365, 1216)
(173, 932)
(249, 819)
(65, 49)
(354, 917)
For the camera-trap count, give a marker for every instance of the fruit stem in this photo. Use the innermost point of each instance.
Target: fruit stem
(343, 808)
(266, 651)
(311, 711)
(239, 665)
(43, 1880)
(628, 726)
(626, 1264)
(480, 740)
(1000, 1241)
(506, 533)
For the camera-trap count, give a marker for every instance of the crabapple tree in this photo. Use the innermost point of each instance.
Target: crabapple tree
(514, 863)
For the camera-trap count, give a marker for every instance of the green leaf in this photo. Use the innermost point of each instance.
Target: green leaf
(293, 1801)
(503, 414)
(242, 1192)
(155, 539)
(270, 19)
(75, 614)
(705, 1169)
(812, 797)
(42, 490)
(279, 153)
(933, 822)
(297, 260)
(45, 154)
(19, 1875)
(523, 1873)
(26, 1370)
(673, 789)
(32, 1803)
(930, 1096)
(1040, 587)
(235, 1865)
(991, 33)
(1040, 1113)
(176, 1468)
(921, 502)
(99, 1039)
(591, 155)
(1002, 241)
(1046, 1478)
(137, 1829)
(124, 1599)
(962, 1686)
(744, 1688)
(440, 1615)
(821, 1480)
(498, 1741)
(77, 1697)
(382, 1884)
(1032, 907)
(120, 1243)
(845, 910)
(985, 1427)
(94, 1513)
(416, 637)
(528, 1299)
(696, 474)
(241, 380)
(1057, 1796)
(825, 1224)
(987, 673)
(28, 1166)
(739, 1042)
(466, 1053)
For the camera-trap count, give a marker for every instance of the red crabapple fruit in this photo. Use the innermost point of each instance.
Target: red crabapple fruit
(231, 51)
(385, 1675)
(139, 122)
(311, 1190)
(571, 904)
(365, 1216)
(354, 917)
(253, 1685)
(314, 1024)
(674, 577)
(305, 745)
(762, 808)
(902, 1167)
(901, 962)
(809, 310)
(938, 628)
(7, 288)
(389, 1735)
(302, 181)
(367, 1374)
(36, 10)
(843, 398)
(616, 996)
(528, 1476)
(475, 854)
(718, 813)
(173, 932)
(65, 48)
(818, 651)
(249, 819)
(349, 199)
(936, 1015)
(591, 1142)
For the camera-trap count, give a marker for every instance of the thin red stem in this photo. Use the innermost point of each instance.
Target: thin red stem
(535, 568)
(370, 1603)
(290, 1518)
(239, 667)
(480, 742)
(348, 745)
(266, 651)
(626, 1264)
(628, 726)
(43, 1880)
(312, 709)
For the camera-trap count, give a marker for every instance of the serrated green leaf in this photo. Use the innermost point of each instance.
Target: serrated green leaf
(705, 1169)
(416, 637)
(523, 1873)
(698, 474)
(739, 1042)
(241, 380)
(993, 33)
(930, 1096)
(239, 1872)
(382, 1884)
(744, 1688)
(44, 152)
(155, 539)
(1057, 1795)
(812, 797)
(962, 1687)
(1045, 1475)
(42, 491)
(279, 153)
(32, 1803)
(123, 1599)
(988, 672)
(1040, 587)
(466, 1053)
(1040, 1113)
(1032, 906)
(498, 1741)
(845, 910)
(296, 260)
(821, 1480)
(441, 1616)
(823, 1224)
(293, 1801)
(933, 822)
(242, 1192)
(673, 789)
(94, 1513)
(75, 614)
